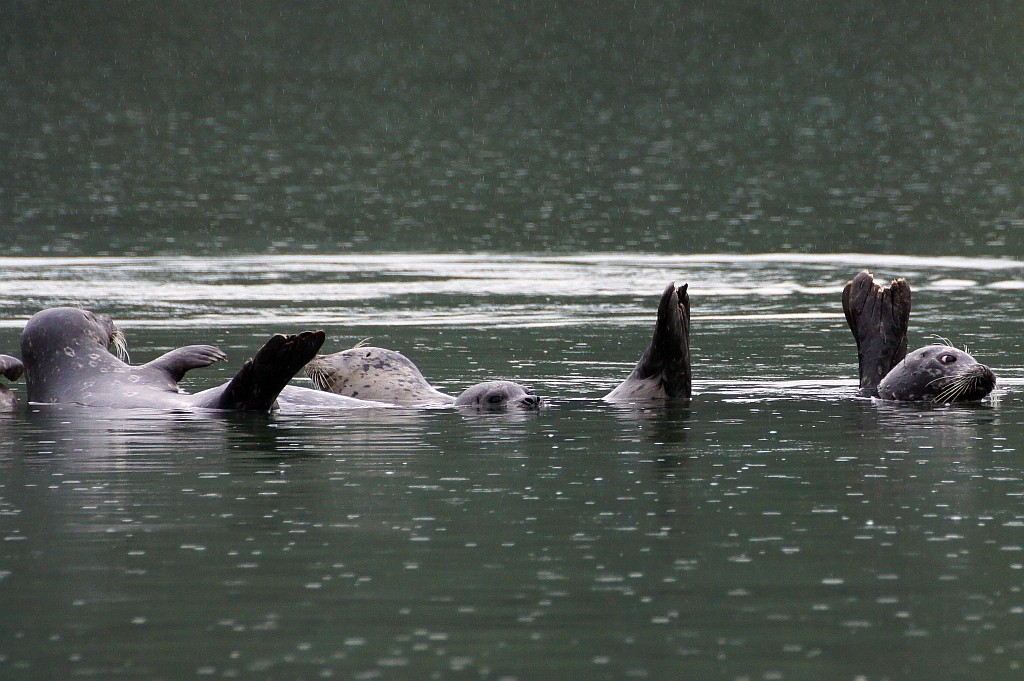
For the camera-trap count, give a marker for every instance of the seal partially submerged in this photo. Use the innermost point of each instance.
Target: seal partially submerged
(66, 352)
(879, 318)
(11, 368)
(497, 396)
(379, 374)
(664, 369)
(382, 375)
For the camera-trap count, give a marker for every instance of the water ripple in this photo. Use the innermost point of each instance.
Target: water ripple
(488, 290)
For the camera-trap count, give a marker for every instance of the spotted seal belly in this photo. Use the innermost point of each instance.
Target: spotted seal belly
(383, 375)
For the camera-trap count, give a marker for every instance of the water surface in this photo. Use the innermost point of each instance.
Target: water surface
(696, 127)
(778, 527)
(504, 192)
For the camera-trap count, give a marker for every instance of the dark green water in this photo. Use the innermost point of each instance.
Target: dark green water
(394, 171)
(678, 127)
(777, 528)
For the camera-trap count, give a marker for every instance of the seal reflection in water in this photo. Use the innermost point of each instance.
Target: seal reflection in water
(382, 375)
(879, 318)
(11, 368)
(664, 368)
(66, 352)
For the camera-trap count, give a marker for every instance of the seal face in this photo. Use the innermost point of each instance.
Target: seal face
(66, 352)
(664, 369)
(498, 396)
(937, 373)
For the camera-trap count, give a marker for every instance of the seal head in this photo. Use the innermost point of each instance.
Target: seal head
(498, 396)
(63, 349)
(937, 373)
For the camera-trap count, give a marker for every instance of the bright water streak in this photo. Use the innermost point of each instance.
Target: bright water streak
(777, 528)
(573, 288)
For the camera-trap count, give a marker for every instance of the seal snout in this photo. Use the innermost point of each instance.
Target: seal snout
(984, 377)
(970, 384)
(530, 401)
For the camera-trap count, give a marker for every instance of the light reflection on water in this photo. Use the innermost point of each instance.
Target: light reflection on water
(776, 527)
(491, 290)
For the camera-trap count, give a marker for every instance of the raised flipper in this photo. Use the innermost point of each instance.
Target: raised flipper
(879, 318)
(664, 368)
(180, 360)
(256, 386)
(11, 368)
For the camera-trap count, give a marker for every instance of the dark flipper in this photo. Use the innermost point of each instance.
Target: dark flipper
(11, 368)
(879, 318)
(664, 368)
(180, 360)
(256, 386)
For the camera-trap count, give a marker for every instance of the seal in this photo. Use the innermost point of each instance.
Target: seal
(383, 375)
(937, 373)
(67, 359)
(11, 368)
(879, 318)
(379, 374)
(664, 368)
(296, 398)
(497, 396)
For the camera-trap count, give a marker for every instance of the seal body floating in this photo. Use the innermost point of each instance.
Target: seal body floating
(379, 374)
(11, 368)
(879, 318)
(66, 352)
(664, 369)
(383, 375)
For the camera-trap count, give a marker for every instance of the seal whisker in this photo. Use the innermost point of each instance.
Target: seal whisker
(942, 395)
(120, 346)
(949, 391)
(318, 376)
(959, 386)
(963, 386)
(942, 340)
(948, 394)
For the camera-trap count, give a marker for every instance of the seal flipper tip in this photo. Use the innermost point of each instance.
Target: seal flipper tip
(671, 341)
(176, 363)
(664, 369)
(256, 386)
(879, 318)
(11, 368)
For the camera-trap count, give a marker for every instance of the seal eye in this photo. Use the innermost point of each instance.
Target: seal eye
(947, 358)
(495, 399)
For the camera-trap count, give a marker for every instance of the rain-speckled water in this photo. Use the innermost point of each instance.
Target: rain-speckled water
(779, 527)
(503, 190)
